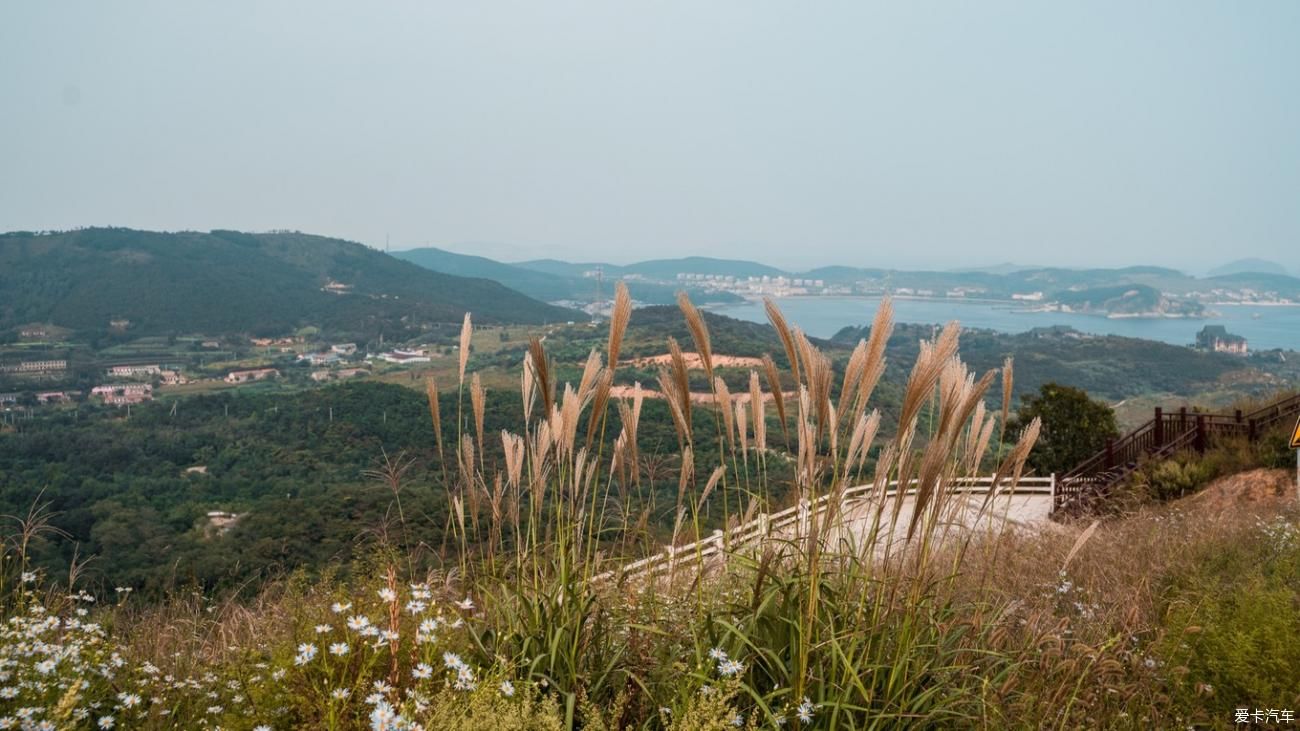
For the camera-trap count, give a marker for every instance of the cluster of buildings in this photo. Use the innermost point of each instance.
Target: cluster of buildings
(777, 286)
(404, 357)
(1242, 296)
(35, 366)
(121, 394)
(254, 374)
(1217, 339)
(327, 375)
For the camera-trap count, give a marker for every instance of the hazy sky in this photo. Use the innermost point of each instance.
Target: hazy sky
(908, 134)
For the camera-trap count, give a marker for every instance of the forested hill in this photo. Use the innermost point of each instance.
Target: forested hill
(226, 282)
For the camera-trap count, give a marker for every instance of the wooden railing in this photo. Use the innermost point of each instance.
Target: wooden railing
(1162, 436)
(797, 519)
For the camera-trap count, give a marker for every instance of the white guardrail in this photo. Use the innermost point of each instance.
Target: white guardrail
(800, 514)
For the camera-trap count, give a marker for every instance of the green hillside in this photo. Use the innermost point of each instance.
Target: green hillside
(226, 281)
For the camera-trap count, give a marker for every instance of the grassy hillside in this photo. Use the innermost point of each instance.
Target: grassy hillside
(535, 619)
(226, 281)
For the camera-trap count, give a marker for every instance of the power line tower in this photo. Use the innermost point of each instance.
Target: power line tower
(600, 297)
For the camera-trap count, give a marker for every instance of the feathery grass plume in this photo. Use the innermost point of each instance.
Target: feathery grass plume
(806, 431)
(684, 477)
(699, 332)
(599, 402)
(817, 372)
(722, 397)
(466, 332)
(431, 391)
(541, 373)
(1008, 377)
(571, 410)
(741, 420)
(469, 475)
(864, 433)
(758, 407)
(1078, 544)
(969, 450)
(618, 319)
(478, 404)
(787, 340)
(631, 418)
(778, 393)
(590, 370)
(708, 487)
(512, 445)
(852, 379)
(539, 464)
(930, 362)
(681, 377)
(1014, 463)
(527, 388)
(618, 460)
(882, 327)
(673, 397)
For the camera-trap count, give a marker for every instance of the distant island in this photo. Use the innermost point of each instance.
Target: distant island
(1137, 291)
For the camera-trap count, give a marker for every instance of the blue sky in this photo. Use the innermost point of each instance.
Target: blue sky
(800, 134)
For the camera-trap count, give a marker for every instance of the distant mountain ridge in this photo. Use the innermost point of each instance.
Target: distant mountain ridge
(1248, 265)
(228, 281)
(1045, 284)
(552, 280)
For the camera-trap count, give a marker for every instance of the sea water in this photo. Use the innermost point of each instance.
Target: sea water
(1264, 327)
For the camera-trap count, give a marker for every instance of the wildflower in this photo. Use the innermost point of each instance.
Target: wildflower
(306, 653)
(465, 679)
(262, 727)
(374, 699)
(358, 622)
(340, 607)
(415, 606)
(718, 654)
(29, 577)
(106, 721)
(805, 711)
(452, 661)
(383, 717)
(737, 720)
(323, 629)
(466, 604)
(339, 648)
(422, 671)
(507, 689)
(128, 700)
(388, 635)
(45, 667)
(381, 686)
(387, 594)
(8, 692)
(728, 668)
(341, 694)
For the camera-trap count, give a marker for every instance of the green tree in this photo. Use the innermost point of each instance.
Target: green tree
(1074, 426)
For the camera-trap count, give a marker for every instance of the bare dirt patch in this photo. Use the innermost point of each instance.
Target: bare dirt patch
(1257, 490)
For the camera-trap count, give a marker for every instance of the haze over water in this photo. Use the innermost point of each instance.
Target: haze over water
(1276, 327)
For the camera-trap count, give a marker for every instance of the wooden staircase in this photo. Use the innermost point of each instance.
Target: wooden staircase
(1165, 434)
